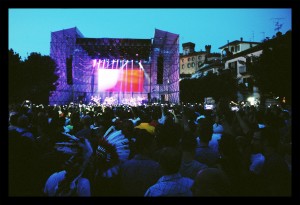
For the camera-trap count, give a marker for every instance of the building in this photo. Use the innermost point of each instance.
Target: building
(235, 56)
(237, 46)
(194, 63)
(212, 64)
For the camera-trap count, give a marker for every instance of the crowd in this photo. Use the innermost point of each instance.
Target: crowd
(148, 150)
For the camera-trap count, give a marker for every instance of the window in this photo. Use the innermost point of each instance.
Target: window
(188, 65)
(199, 57)
(233, 67)
(182, 66)
(189, 59)
(237, 48)
(199, 64)
(193, 64)
(242, 69)
(232, 64)
(193, 58)
(182, 60)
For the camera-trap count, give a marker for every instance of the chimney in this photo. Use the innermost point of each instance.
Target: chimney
(207, 48)
(241, 39)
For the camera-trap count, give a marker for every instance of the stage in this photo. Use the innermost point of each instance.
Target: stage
(115, 70)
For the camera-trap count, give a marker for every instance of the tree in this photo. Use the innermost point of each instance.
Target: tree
(40, 77)
(32, 79)
(212, 85)
(272, 69)
(15, 79)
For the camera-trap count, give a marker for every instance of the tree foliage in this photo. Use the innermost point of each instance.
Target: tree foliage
(32, 78)
(216, 86)
(15, 74)
(272, 69)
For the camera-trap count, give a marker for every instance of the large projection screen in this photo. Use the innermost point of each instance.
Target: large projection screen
(120, 80)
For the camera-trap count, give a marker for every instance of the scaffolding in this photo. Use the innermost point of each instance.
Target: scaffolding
(165, 44)
(62, 47)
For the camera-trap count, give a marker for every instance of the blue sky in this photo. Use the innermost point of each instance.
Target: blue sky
(30, 29)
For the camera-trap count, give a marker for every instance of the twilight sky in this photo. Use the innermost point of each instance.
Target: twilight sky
(30, 29)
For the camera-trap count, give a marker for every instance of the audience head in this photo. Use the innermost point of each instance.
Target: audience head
(13, 118)
(205, 130)
(211, 182)
(23, 121)
(188, 142)
(144, 141)
(170, 160)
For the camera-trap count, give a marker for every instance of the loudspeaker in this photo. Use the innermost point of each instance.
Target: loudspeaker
(162, 98)
(160, 69)
(149, 97)
(69, 70)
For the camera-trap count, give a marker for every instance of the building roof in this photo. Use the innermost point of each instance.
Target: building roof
(209, 55)
(188, 44)
(261, 46)
(236, 42)
(245, 52)
(211, 65)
